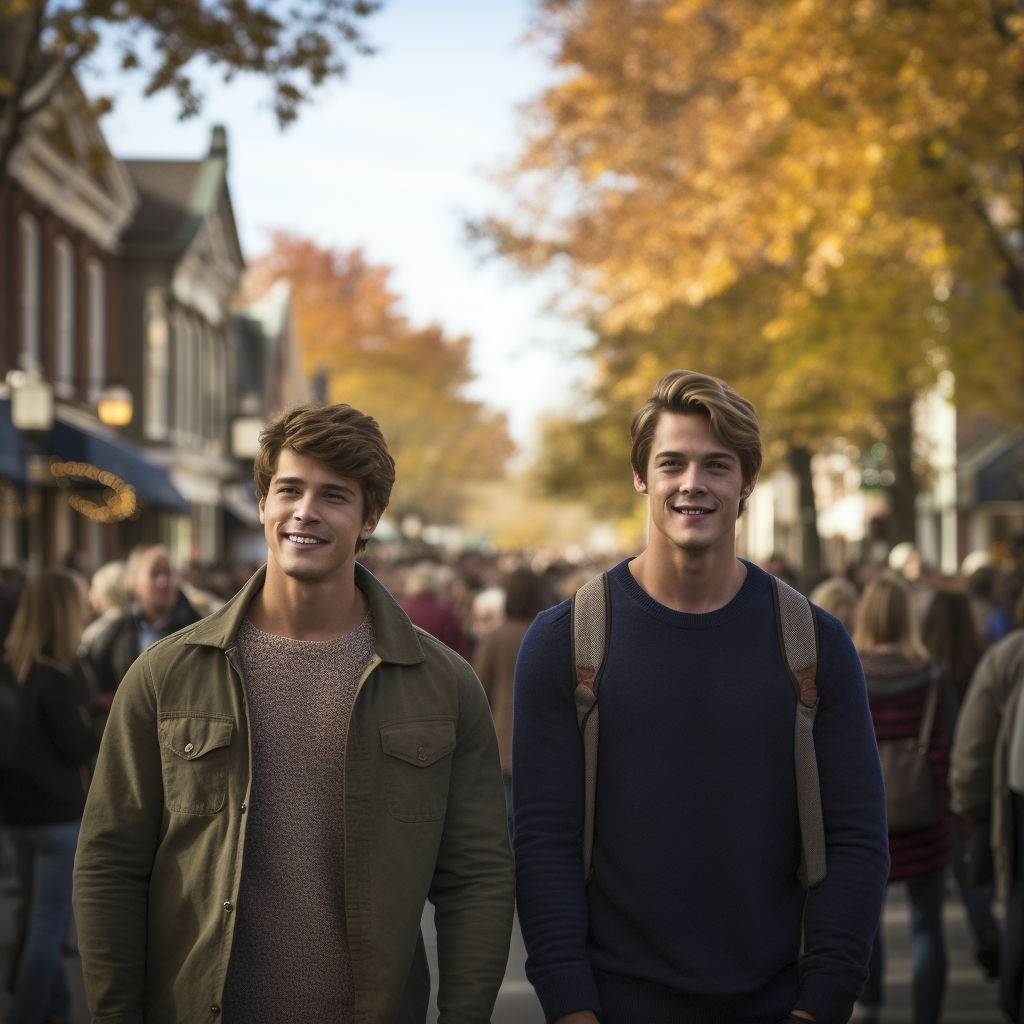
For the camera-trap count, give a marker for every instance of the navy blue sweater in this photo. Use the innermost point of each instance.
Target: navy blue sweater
(694, 913)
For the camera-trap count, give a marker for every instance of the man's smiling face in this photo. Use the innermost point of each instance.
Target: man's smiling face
(312, 517)
(695, 483)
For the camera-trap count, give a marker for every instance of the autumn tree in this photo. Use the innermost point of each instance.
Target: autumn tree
(296, 46)
(410, 379)
(857, 164)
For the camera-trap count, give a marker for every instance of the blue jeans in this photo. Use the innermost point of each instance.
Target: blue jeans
(929, 947)
(46, 857)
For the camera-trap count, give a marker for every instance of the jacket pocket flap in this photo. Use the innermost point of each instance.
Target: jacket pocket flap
(191, 735)
(419, 741)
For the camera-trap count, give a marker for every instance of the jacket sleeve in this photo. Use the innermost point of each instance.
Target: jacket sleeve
(73, 740)
(842, 914)
(473, 888)
(974, 740)
(547, 769)
(116, 847)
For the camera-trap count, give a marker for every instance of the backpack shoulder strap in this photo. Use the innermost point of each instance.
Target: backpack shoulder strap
(798, 639)
(590, 625)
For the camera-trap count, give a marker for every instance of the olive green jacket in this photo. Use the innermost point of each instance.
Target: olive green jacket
(160, 852)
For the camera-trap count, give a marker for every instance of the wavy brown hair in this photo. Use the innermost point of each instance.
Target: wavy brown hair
(47, 624)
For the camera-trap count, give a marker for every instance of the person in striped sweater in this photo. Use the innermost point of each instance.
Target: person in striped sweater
(899, 671)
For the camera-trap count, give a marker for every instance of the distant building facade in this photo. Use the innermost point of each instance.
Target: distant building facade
(180, 264)
(64, 201)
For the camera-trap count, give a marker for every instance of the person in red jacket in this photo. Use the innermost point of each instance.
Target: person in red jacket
(426, 610)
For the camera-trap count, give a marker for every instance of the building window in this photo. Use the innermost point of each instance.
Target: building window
(64, 316)
(96, 282)
(186, 376)
(157, 366)
(30, 258)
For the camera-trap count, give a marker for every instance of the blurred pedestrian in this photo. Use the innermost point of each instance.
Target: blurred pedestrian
(423, 604)
(108, 598)
(41, 790)
(488, 612)
(950, 635)
(909, 703)
(838, 596)
(158, 609)
(495, 661)
(987, 791)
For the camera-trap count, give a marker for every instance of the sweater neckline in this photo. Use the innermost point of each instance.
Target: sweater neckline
(754, 582)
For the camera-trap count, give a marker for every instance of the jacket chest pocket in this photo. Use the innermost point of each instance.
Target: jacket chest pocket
(417, 765)
(194, 750)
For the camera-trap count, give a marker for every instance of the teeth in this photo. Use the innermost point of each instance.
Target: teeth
(303, 540)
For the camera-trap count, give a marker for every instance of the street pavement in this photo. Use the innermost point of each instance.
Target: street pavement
(971, 999)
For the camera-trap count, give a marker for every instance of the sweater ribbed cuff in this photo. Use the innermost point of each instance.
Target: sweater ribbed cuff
(828, 1000)
(567, 991)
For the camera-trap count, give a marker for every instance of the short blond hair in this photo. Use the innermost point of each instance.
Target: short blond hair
(47, 624)
(732, 419)
(885, 615)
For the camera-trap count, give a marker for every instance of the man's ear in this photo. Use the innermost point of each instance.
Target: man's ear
(370, 524)
(748, 486)
(638, 483)
(263, 509)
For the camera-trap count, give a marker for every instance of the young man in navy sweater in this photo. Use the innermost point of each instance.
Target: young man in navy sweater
(695, 912)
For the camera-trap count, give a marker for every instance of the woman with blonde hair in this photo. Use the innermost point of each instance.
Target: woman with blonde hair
(906, 688)
(45, 743)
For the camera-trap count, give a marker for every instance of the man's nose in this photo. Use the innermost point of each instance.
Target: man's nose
(691, 480)
(306, 508)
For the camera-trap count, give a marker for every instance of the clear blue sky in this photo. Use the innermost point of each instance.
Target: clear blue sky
(393, 160)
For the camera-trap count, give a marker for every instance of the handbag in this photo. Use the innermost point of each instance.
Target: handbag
(911, 803)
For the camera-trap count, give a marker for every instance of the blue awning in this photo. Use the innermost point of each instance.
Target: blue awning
(74, 444)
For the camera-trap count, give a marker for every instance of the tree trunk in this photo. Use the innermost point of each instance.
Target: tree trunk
(800, 462)
(898, 419)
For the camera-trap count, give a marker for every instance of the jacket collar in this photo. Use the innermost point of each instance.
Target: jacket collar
(395, 636)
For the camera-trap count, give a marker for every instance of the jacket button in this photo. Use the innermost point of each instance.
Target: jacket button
(228, 907)
(189, 748)
(242, 808)
(422, 754)
(215, 1008)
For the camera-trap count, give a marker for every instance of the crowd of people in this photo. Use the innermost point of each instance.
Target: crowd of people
(934, 649)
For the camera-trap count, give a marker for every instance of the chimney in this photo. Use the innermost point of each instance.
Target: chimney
(219, 141)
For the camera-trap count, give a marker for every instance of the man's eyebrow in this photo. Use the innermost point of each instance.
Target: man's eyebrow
(325, 487)
(706, 455)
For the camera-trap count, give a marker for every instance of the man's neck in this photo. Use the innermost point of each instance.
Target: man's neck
(318, 609)
(696, 582)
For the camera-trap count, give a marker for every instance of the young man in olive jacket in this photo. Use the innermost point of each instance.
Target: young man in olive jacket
(281, 787)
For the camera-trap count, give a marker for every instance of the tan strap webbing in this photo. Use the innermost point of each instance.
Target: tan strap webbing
(798, 637)
(590, 623)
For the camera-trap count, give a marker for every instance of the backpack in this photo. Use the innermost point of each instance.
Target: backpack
(590, 625)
